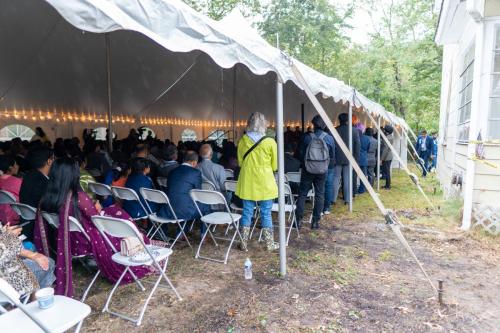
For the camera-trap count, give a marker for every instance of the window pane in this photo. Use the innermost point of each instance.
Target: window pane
(495, 107)
(496, 62)
(468, 93)
(495, 85)
(497, 42)
(467, 112)
(494, 129)
(463, 132)
(470, 73)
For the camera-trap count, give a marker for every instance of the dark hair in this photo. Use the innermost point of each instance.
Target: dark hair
(343, 118)
(388, 129)
(369, 131)
(120, 170)
(39, 131)
(170, 153)
(6, 162)
(424, 132)
(318, 122)
(191, 156)
(139, 164)
(64, 178)
(38, 156)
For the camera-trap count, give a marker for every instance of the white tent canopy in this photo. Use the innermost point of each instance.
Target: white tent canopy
(48, 63)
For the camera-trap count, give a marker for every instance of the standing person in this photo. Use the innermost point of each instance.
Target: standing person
(423, 146)
(35, 181)
(40, 136)
(371, 156)
(329, 178)
(258, 159)
(386, 156)
(434, 151)
(317, 151)
(342, 163)
(365, 144)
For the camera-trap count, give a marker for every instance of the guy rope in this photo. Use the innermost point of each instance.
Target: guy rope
(389, 215)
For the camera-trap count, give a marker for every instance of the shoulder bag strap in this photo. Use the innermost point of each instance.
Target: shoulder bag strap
(253, 147)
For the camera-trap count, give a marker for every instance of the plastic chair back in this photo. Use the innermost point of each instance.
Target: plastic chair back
(230, 185)
(208, 186)
(293, 177)
(162, 181)
(7, 198)
(102, 190)
(208, 197)
(124, 193)
(51, 218)
(27, 212)
(229, 173)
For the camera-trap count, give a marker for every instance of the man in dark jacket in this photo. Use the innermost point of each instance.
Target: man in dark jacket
(424, 147)
(342, 163)
(365, 143)
(307, 179)
(386, 156)
(35, 181)
(181, 180)
(169, 161)
(291, 163)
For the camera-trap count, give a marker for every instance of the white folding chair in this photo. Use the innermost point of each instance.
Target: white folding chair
(208, 186)
(128, 194)
(162, 181)
(161, 198)
(229, 173)
(215, 218)
(7, 198)
(101, 190)
(153, 255)
(26, 212)
(293, 177)
(63, 315)
(290, 209)
(230, 186)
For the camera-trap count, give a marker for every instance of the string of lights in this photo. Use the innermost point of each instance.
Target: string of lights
(61, 116)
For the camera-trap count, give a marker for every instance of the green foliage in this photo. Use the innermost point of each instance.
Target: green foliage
(400, 67)
(217, 9)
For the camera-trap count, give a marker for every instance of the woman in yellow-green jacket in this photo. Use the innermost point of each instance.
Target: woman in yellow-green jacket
(258, 159)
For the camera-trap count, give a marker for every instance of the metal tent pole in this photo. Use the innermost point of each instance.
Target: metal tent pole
(108, 72)
(378, 154)
(234, 104)
(281, 174)
(350, 164)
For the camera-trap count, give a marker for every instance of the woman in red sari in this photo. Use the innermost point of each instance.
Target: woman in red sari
(65, 197)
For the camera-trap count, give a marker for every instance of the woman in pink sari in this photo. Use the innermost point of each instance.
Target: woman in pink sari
(65, 197)
(11, 184)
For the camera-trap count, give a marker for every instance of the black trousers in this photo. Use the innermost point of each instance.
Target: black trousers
(306, 181)
(386, 170)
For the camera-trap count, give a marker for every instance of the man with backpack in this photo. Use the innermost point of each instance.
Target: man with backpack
(316, 151)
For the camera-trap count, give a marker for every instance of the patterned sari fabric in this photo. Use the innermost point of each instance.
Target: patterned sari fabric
(74, 243)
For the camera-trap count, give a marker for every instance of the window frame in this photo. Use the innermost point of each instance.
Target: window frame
(494, 74)
(468, 65)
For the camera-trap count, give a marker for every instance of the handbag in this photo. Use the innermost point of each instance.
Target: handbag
(130, 246)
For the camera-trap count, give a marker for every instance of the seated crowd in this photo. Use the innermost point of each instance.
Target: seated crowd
(55, 179)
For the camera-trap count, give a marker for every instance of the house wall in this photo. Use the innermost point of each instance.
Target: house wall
(453, 156)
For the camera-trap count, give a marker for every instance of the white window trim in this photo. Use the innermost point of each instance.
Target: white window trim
(462, 90)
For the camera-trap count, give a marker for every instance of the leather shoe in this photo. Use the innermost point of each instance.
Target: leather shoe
(314, 225)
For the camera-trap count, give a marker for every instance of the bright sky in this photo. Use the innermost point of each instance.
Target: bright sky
(361, 22)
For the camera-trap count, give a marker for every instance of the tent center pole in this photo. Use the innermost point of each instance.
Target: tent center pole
(302, 116)
(108, 72)
(281, 174)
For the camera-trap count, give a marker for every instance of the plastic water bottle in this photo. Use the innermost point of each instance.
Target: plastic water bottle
(248, 269)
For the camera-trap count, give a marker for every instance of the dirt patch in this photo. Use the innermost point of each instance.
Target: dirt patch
(349, 276)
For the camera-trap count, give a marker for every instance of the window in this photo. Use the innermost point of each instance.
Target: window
(10, 132)
(188, 135)
(494, 113)
(465, 95)
(144, 132)
(99, 133)
(218, 136)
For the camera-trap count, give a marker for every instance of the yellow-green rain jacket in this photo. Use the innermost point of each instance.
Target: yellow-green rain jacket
(256, 180)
